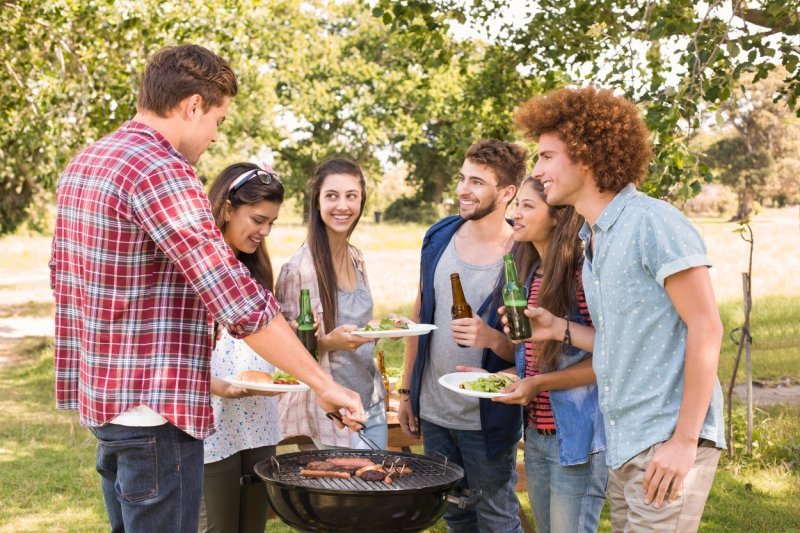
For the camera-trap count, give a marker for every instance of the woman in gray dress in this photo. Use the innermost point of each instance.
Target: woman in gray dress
(333, 270)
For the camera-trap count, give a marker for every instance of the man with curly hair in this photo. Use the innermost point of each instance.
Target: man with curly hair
(658, 331)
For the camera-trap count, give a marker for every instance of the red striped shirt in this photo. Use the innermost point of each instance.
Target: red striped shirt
(540, 411)
(139, 268)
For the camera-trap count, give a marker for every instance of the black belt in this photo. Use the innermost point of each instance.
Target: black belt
(542, 431)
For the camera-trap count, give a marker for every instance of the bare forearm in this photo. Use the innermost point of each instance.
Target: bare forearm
(278, 344)
(410, 353)
(502, 346)
(581, 336)
(218, 387)
(702, 359)
(577, 375)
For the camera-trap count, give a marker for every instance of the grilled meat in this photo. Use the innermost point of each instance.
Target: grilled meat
(324, 473)
(351, 462)
(373, 475)
(322, 466)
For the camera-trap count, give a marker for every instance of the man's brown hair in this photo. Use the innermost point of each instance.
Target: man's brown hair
(603, 131)
(177, 72)
(508, 161)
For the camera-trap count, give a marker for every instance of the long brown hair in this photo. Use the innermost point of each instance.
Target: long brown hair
(251, 192)
(318, 235)
(563, 259)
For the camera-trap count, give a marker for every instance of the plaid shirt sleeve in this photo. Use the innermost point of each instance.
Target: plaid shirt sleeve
(171, 206)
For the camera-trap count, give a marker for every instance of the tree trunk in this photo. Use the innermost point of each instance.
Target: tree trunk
(745, 205)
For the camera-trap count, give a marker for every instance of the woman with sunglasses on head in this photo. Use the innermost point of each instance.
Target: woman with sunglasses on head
(245, 201)
(333, 270)
(565, 444)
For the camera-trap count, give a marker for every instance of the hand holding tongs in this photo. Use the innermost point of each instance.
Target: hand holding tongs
(359, 432)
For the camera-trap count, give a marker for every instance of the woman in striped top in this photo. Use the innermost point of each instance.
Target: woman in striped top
(564, 437)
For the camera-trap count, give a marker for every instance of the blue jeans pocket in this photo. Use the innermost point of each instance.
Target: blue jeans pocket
(136, 465)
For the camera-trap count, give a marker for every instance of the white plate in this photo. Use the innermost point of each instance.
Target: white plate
(266, 387)
(412, 331)
(452, 382)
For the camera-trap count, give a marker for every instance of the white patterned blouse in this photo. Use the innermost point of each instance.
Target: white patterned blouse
(243, 423)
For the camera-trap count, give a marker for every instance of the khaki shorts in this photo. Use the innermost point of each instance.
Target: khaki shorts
(629, 513)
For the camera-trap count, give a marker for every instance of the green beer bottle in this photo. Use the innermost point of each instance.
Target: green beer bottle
(305, 324)
(515, 302)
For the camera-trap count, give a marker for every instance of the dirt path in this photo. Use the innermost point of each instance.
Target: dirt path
(784, 392)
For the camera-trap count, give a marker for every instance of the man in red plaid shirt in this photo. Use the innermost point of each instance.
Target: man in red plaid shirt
(140, 273)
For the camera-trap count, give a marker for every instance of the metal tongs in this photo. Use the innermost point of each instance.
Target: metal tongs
(360, 432)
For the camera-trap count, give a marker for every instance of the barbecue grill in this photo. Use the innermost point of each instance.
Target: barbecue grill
(412, 502)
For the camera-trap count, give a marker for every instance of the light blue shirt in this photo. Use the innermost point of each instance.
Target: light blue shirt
(640, 344)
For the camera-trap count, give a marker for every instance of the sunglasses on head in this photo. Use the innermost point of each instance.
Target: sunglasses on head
(266, 177)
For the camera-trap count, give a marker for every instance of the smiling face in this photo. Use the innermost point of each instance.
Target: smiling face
(477, 191)
(248, 225)
(533, 220)
(565, 181)
(200, 128)
(340, 202)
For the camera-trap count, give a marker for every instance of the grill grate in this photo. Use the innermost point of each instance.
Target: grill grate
(426, 473)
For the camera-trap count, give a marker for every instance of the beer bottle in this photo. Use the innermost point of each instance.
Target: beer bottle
(515, 302)
(382, 369)
(305, 324)
(461, 308)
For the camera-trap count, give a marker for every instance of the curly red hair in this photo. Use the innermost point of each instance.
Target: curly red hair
(604, 131)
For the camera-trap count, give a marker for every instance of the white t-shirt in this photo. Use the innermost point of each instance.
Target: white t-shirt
(243, 423)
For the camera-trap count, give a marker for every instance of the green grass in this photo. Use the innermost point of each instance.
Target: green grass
(775, 330)
(48, 481)
(30, 308)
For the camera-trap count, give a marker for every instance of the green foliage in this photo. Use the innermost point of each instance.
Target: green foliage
(677, 58)
(760, 151)
(414, 210)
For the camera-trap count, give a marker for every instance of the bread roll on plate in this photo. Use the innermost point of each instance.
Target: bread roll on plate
(255, 376)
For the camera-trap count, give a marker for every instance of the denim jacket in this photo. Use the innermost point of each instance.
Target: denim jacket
(501, 423)
(579, 423)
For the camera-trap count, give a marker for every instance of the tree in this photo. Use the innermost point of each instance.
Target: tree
(317, 79)
(678, 59)
(69, 69)
(761, 147)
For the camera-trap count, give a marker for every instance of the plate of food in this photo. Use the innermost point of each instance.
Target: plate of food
(391, 328)
(477, 384)
(277, 381)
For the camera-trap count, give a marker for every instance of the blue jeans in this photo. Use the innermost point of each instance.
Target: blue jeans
(377, 430)
(495, 476)
(564, 499)
(152, 477)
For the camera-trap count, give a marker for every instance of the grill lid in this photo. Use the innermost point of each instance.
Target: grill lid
(426, 472)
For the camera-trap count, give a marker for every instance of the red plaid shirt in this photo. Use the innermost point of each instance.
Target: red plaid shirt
(139, 271)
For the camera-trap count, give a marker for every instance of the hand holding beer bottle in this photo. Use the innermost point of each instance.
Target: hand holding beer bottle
(460, 308)
(306, 330)
(515, 302)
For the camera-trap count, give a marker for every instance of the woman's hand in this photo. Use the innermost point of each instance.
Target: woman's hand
(544, 324)
(223, 389)
(317, 324)
(520, 392)
(341, 338)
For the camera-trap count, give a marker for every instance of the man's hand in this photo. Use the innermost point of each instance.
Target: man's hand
(520, 392)
(472, 332)
(667, 469)
(464, 368)
(408, 422)
(336, 397)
